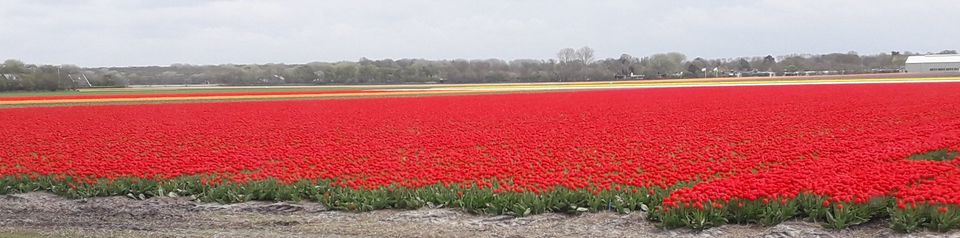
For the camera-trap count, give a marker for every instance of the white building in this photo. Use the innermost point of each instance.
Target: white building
(933, 63)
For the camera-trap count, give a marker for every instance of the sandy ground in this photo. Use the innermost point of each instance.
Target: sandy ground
(491, 88)
(47, 215)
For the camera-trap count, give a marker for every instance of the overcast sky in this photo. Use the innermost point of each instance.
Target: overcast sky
(129, 32)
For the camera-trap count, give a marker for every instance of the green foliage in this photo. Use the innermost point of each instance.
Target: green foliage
(943, 220)
(843, 215)
(811, 206)
(692, 217)
(472, 199)
(655, 199)
(777, 211)
(908, 219)
(744, 211)
(940, 218)
(936, 155)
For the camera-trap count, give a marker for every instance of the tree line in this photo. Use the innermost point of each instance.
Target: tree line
(569, 65)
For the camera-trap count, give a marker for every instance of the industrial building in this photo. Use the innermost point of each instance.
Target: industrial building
(933, 63)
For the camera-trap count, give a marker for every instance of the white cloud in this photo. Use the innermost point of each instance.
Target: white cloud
(100, 33)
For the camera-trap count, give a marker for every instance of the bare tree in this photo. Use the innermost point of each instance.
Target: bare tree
(585, 55)
(566, 55)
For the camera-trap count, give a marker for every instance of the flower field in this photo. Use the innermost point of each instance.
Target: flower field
(699, 157)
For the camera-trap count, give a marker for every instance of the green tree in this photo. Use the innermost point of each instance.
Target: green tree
(743, 65)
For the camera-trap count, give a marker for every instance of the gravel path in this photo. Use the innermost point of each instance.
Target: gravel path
(47, 215)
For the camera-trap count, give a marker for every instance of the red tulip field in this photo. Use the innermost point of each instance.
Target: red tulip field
(701, 157)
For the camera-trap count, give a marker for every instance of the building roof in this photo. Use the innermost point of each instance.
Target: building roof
(933, 59)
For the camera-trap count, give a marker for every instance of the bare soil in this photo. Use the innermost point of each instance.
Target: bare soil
(48, 215)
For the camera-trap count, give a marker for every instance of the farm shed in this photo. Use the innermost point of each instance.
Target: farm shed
(933, 63)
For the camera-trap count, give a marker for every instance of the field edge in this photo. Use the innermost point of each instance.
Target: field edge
(490, 200)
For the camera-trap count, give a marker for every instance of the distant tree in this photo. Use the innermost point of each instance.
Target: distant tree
(661, 65)
(696, 67)
(743, 65)
(109, 79)
(368, 74)
(948, 52)
(768, 63)
(565, 67)
(12, 66)
(694, 70)
(570, 65)
(585, 55)
(700, 62)
(626, 63)
(791, 68)
(46, 77)
(303, 74)
(566, 55)
(15, 68)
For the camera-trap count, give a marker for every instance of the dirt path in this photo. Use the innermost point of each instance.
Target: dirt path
(47, 215)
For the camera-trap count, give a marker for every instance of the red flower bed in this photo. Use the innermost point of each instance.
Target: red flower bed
(167, 95)
(848, 143)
